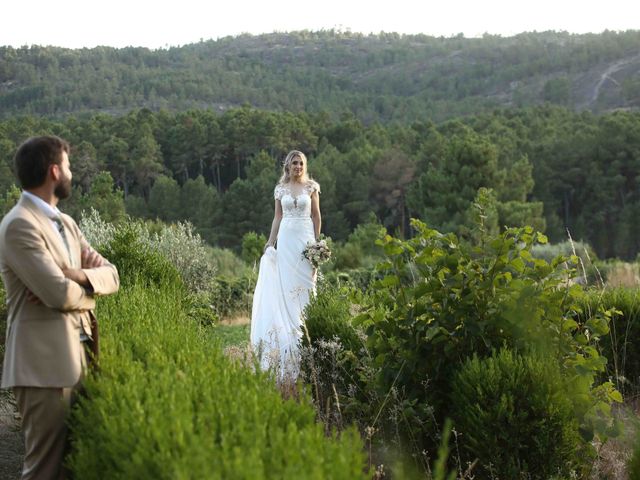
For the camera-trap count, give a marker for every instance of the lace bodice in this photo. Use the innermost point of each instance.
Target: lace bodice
(296, 206)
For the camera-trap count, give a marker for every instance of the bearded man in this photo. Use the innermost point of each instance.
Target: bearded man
(51, 276)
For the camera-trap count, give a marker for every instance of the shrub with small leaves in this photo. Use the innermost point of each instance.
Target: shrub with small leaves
(178, 243)
(622, 345)
(96, 231)
(168, 404)
(252, 247)
(184, 248)
(334, 354)
(137, 261)
(633, 467)
(232, 295)
(513, 415)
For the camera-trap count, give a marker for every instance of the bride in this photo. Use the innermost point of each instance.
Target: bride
(286, 279)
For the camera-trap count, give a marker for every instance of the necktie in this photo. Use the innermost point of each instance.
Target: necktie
(84, 336)
(60, 227)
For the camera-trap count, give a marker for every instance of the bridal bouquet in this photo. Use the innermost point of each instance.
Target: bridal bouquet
(317, 253)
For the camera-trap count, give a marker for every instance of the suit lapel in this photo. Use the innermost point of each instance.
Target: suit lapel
(43, 223)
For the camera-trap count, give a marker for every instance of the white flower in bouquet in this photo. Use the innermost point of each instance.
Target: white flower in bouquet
(317, 252)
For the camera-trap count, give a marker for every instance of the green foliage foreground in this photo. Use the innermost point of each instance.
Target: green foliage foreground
(440, 301)
(167, 403)
(515, 417)
(621, 345)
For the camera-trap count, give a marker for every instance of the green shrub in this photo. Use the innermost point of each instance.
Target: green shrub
(199, 307)
(333, 355)
(186, 251)
(348, 256)
(328, 316)
(8, 199)
(441, 300)
(230, 296)
(227, 263)
(513, 414)
(137, 261)
(622, 345)
(359, 278)
(633, 467)
(548, 251)
(252, 247)
(168, 404)
(179, 244)
(232, 335)
(360, 249)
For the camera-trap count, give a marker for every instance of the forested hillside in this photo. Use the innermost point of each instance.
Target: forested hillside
(380, 77)
(547, 167)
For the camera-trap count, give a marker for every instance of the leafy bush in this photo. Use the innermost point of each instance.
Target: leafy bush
(328, 316)
(513, 414)
(441, 300)
(9, 199)
(252, 247)
(199, 307)
(587, 264)
(548, 251)
(168, 404)
(347, 256)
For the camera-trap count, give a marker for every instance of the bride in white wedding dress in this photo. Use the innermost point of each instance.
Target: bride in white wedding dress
(286, 279)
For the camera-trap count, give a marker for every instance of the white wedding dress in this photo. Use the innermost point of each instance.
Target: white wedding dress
(285, 283)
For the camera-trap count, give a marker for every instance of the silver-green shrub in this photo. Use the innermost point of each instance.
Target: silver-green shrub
(186, 250)
(178, 243)
(96, 231)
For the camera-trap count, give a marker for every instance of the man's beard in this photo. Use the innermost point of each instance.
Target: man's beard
(63, 189)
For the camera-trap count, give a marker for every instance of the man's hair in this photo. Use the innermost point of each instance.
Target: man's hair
(35, 156)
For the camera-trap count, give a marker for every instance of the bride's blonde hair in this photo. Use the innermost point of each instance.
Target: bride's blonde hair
(286, 167)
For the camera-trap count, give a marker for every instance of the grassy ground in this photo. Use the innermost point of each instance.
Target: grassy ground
(231, 335)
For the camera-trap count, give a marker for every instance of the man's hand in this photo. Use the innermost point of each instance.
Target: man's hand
(32, 298)
(91, 258)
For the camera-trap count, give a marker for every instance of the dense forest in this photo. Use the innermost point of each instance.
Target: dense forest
(544, 166)
(377, 78)
(443, 141)
(544, 125)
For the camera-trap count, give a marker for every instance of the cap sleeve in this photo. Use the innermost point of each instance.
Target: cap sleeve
(313, 186)
(278, 192)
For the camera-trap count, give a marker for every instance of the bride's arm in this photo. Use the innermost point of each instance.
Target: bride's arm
(315, 213)
(275, 225)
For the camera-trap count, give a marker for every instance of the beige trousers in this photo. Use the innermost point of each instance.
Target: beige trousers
(44, 414)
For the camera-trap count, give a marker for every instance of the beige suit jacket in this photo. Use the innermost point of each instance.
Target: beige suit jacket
(43, 346)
